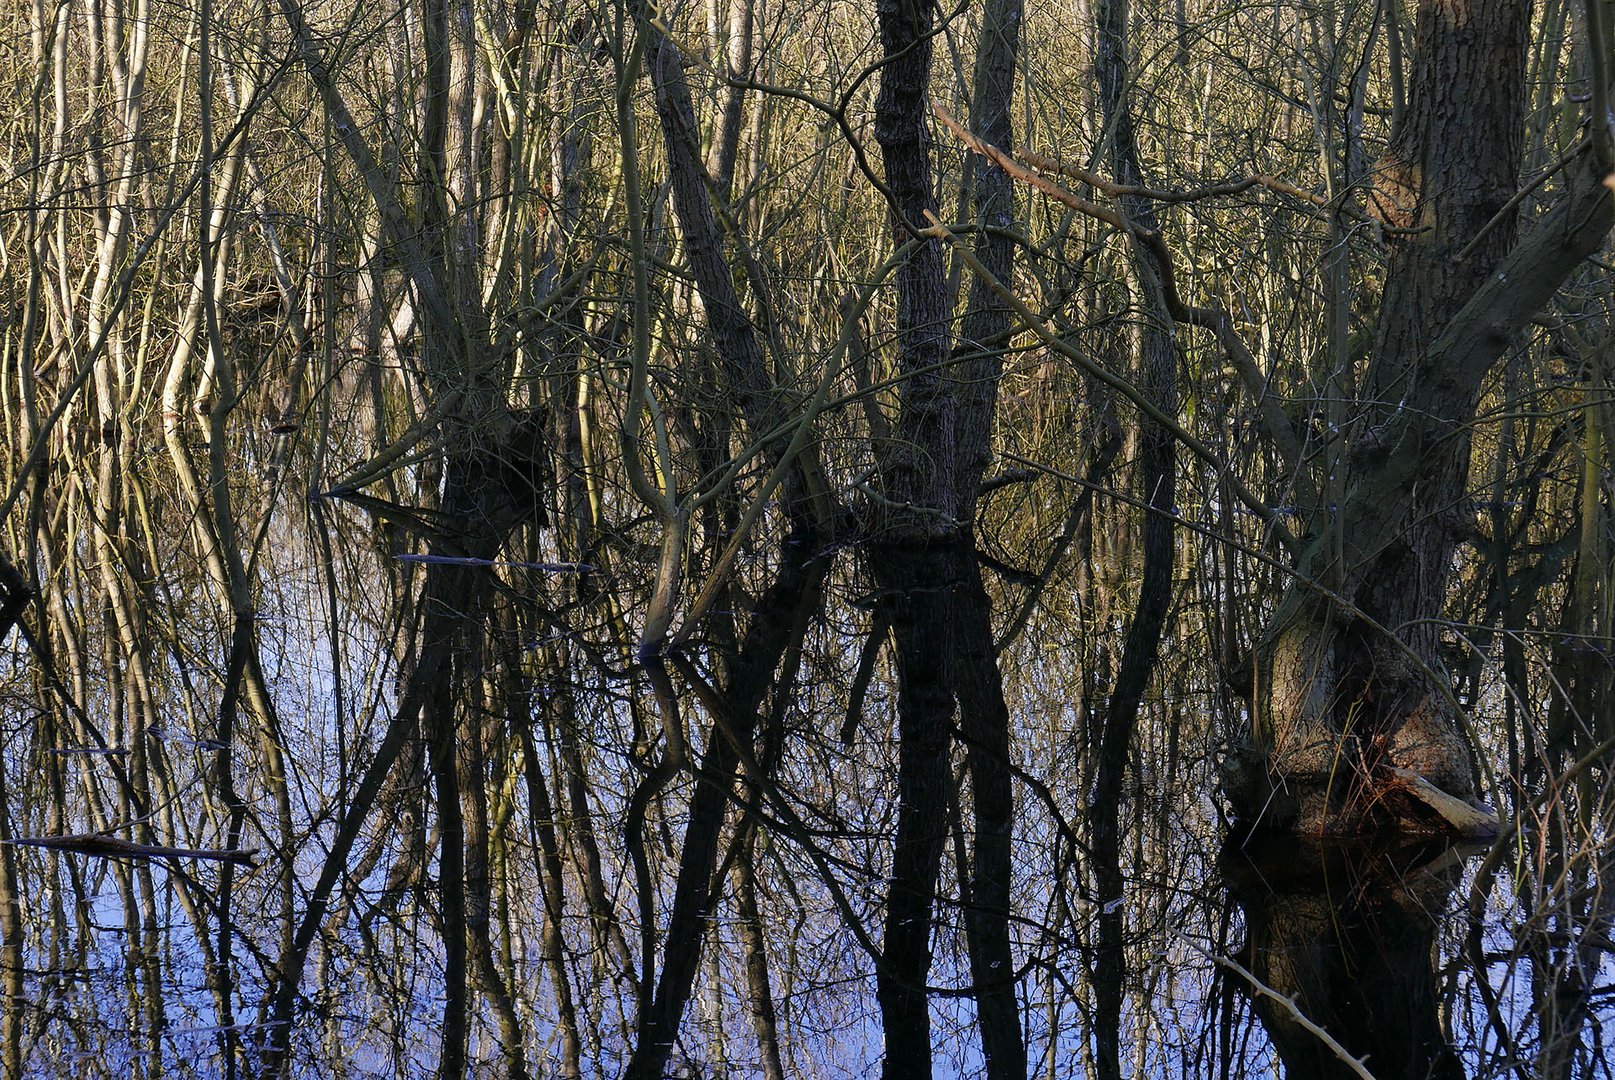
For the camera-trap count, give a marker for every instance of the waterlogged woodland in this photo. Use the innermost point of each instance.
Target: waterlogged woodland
(795, 538)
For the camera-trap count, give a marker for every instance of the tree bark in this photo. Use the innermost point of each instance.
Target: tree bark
(983, 716)
(1347, 935)
(911, 563)
(1346, 689)
(1156, 362)
(917, 585)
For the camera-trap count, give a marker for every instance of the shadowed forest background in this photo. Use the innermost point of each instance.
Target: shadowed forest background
(782, 538)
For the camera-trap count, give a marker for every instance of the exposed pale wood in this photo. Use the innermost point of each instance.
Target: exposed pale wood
(1469, 822)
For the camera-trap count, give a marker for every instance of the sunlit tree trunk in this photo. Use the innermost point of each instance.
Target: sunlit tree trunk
(1347, 689)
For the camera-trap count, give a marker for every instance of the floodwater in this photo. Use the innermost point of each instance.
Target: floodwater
(1239, 960)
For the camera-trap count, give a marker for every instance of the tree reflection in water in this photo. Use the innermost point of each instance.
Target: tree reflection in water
(528, 548)
(1340, 937)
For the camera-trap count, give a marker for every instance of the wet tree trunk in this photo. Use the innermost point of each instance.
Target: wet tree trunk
(917, 587)
(15, 594)
(759, 986)
(1349, 713)
(1156, 363)
(984, 723)
(552, 878)
(978, 686)
(930, 591)
(1346, 935)
(775, 628)
(911, 563)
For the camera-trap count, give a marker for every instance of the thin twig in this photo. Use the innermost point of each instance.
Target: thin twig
(1355, 1064)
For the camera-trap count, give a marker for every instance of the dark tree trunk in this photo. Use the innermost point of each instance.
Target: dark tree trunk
(984, 721)
(552, 879)
(912, 564)
(917, 583)
(1347, 934)
(1157, 377)
(983, 715)
(759, 989)
(774, 627)
(931, 594)
(15, 594)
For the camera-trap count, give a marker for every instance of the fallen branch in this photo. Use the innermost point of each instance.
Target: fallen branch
(112, 847)
(1355, 1064)
(1467, 821)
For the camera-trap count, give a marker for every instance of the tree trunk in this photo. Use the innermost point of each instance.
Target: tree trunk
(1347, 935)
(911, 564)
(983, 715)
(1346, 686)
(917, 585)
(1156, 363)
(775, 628)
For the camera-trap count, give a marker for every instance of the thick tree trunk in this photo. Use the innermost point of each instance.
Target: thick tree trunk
(1323, 926)
(911, 564)
(917, 584)
(1346, 687)
(931, 595)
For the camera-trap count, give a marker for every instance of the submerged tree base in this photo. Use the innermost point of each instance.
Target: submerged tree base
(1370, 791)
(1337, 959)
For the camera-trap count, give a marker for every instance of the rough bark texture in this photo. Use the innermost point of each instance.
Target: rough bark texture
(910, 563)
(1348, 935)
(1346, 692)
(922, 553)
(917, 470)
